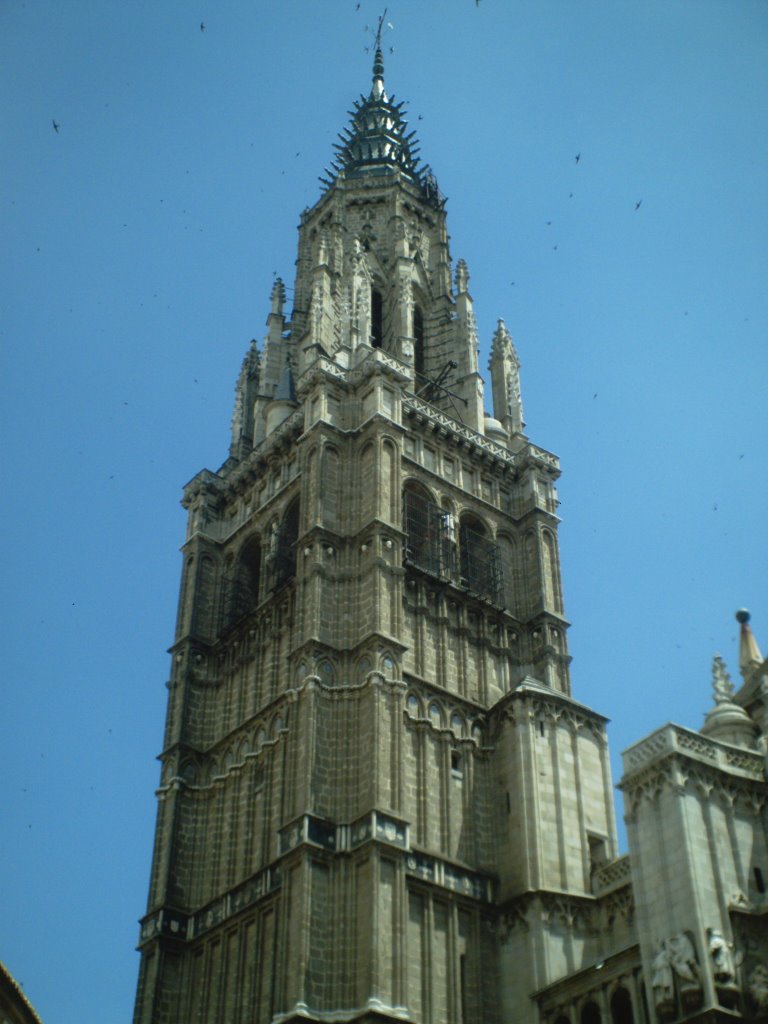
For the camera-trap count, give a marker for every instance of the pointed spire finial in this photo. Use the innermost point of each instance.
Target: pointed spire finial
(461, 279)
(378, 62)
(277, 297)
(749, 653)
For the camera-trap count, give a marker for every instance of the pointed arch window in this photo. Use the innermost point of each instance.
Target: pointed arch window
(426, 527)
(377, 318)
(621, 1007)
(479, 561)
(590, 1014)
(284, 554)
(245, 582)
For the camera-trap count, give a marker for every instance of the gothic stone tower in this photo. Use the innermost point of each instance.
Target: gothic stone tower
(378, 799)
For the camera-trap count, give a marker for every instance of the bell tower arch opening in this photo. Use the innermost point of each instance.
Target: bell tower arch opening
(377, 318)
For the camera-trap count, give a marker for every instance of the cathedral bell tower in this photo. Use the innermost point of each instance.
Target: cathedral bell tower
(369, 725)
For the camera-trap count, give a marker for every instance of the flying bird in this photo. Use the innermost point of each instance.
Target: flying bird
(202, 26)
(55, 127)
(638, 203)
(578, 157)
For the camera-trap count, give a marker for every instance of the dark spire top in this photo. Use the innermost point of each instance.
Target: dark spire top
(378, 62)
(377, 140)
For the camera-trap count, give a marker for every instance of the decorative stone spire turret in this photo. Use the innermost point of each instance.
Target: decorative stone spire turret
(727, 722)
(277, 298)
(284, 401)
(750, 657)
(505, 381)
(246, 393)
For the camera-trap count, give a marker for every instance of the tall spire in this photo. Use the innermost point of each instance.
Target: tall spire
(377, 92)
(750, 657)
(377, 141)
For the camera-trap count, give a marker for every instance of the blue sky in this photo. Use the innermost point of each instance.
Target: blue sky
(140, 245)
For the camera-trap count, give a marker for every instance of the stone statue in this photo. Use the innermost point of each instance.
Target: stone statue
(683, 960)
(661, 981)
(722, 957)
(686, 968)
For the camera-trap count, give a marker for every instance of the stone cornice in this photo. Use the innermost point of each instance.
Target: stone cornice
(199, 770)
(675, 773)
(686, 743)
(311, 833)
(532, 699)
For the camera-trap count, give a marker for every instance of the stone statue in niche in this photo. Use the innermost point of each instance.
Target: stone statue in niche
(720, 951)
(662, 981)
(686, 968)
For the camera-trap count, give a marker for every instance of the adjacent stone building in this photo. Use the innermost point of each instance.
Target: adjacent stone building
(379, 800)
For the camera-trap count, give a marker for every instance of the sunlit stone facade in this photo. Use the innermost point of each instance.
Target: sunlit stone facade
(378, 798)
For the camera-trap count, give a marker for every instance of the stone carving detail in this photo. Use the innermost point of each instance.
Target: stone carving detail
(675, 976)
(686, 968)
(663, 982)
(721, 681)
(431, 414)
(720, 951)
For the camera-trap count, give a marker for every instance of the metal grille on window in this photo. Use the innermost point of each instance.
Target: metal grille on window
(429, 529)
(481, 571)
(283, 559)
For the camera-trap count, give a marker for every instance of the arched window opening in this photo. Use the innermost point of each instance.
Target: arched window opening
(508, 557)
(203, 624)
(621, 1007)
(284, 556)
(377, 318)
(418, 338)
(479, 561)
(244, 589)
(425, 525)
(590, 1014)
